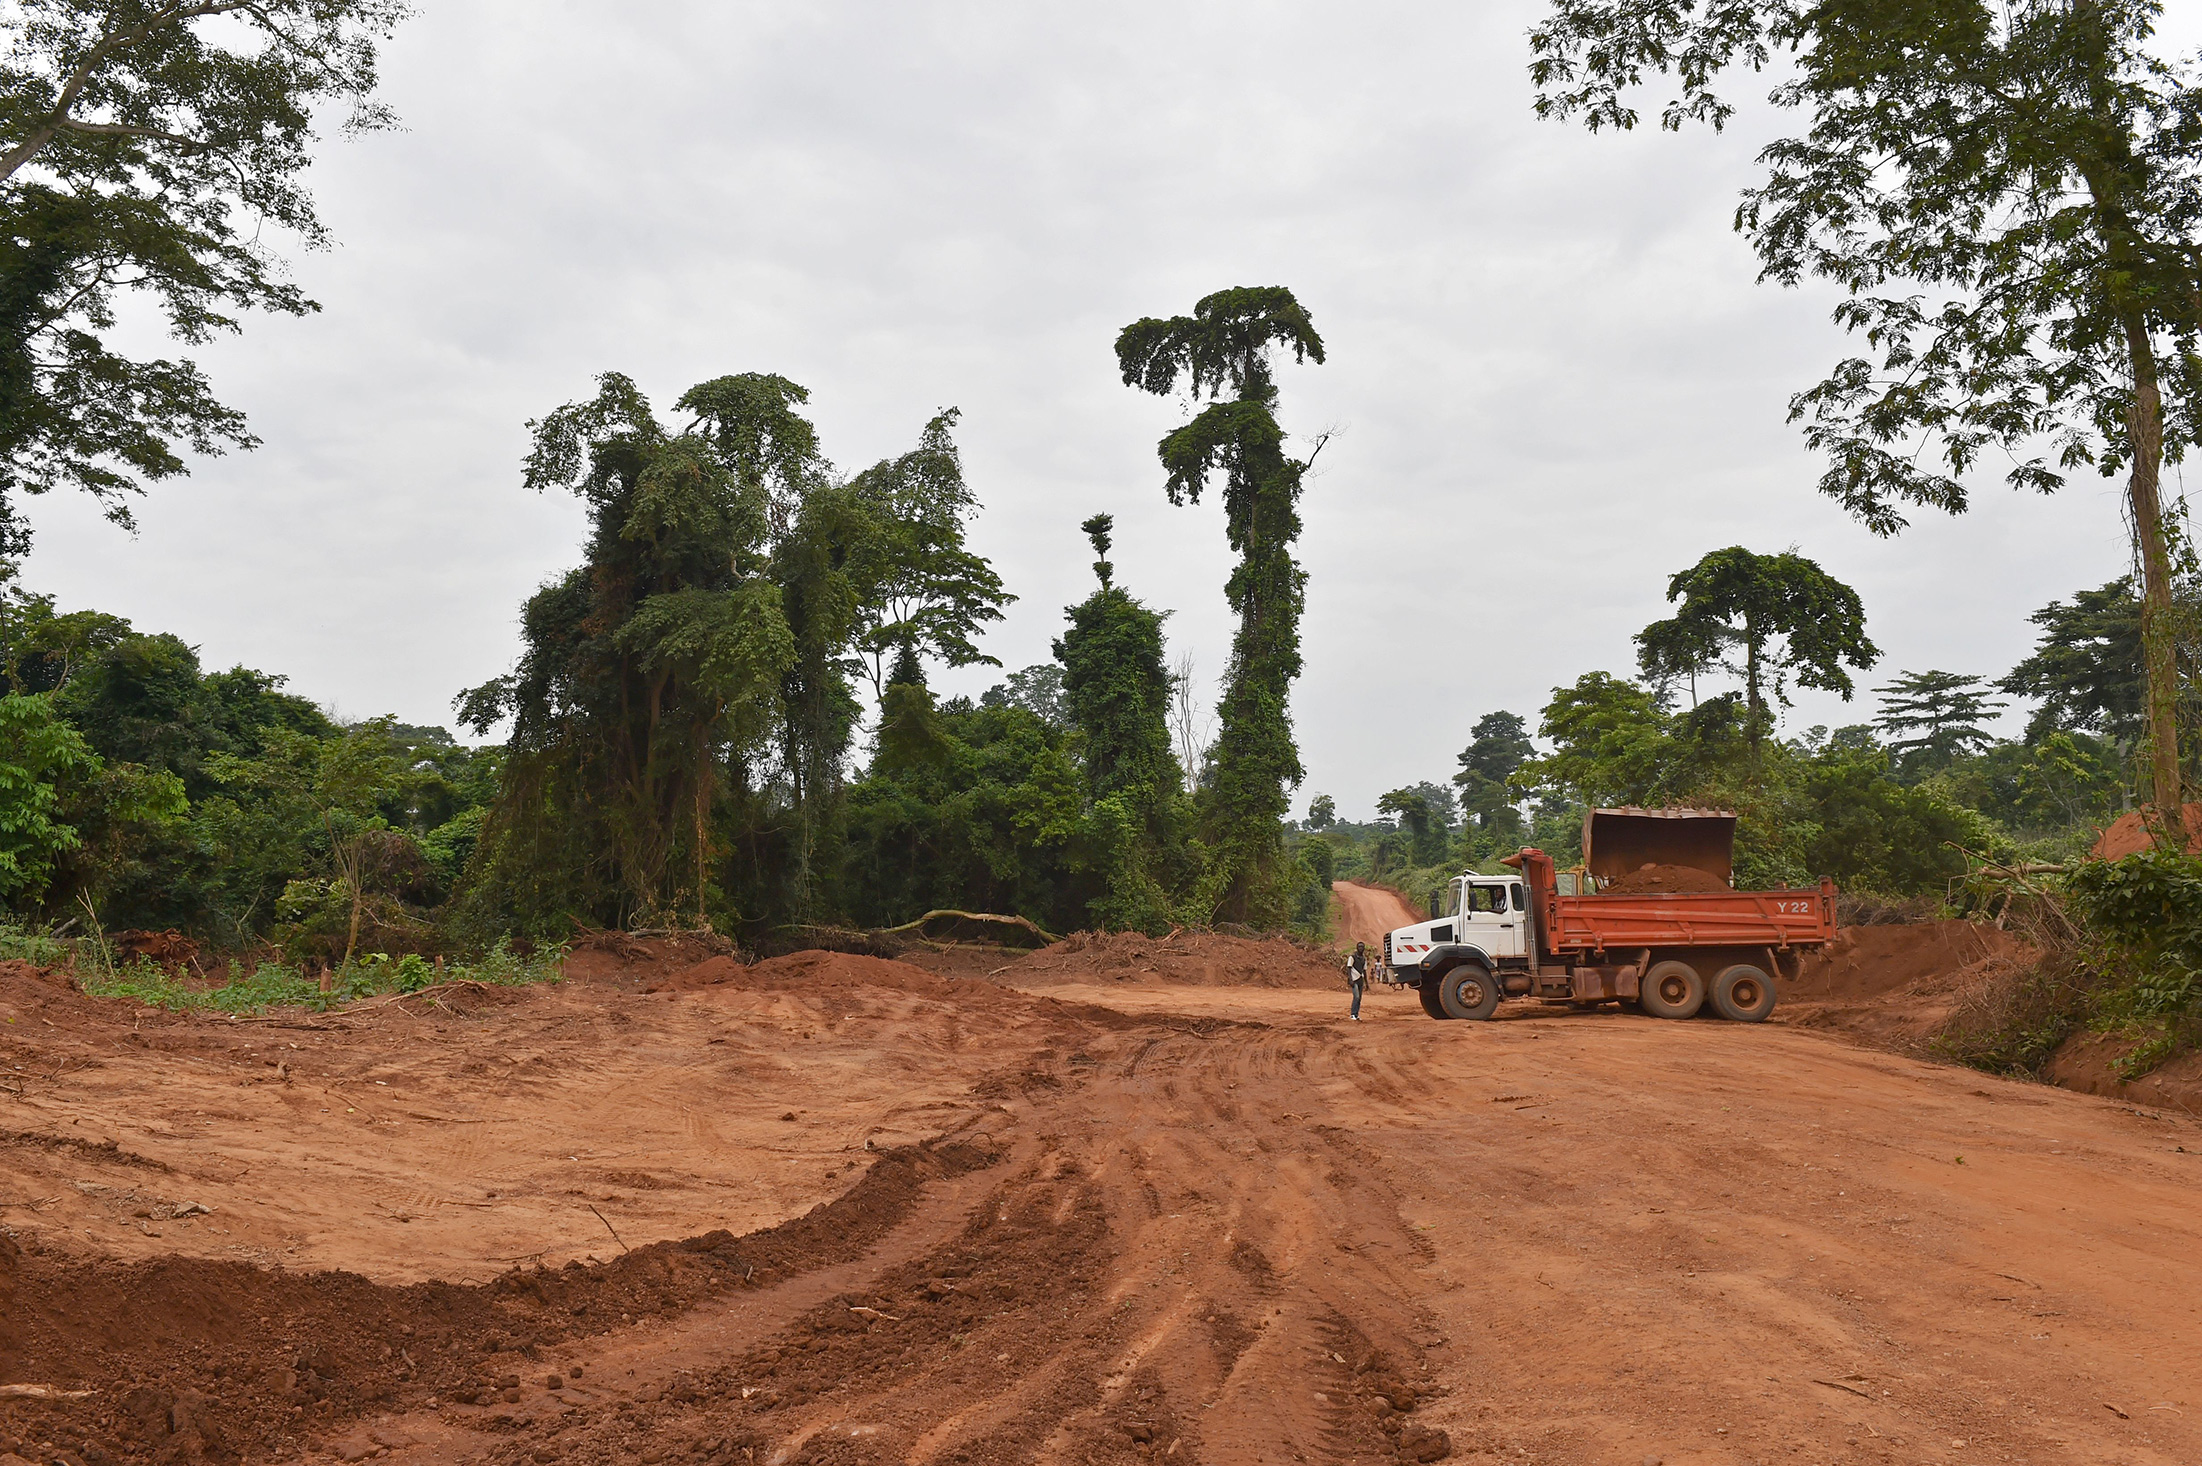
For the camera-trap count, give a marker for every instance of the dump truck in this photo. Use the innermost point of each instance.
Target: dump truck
(1608, 932)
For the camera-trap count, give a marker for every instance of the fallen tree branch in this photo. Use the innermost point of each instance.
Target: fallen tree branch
(1017, 921)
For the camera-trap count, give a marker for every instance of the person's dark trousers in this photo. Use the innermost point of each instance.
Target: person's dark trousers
(1356, 1013)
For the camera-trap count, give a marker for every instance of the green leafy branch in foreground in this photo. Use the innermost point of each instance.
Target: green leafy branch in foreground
(274, 984)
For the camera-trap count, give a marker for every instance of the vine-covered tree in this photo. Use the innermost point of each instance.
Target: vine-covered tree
(148, 149)
(1116, 690)
(2011, 197)
(1788, 619)
(1222, 348)
(645, 667)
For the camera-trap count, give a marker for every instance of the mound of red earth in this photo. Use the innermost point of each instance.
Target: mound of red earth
(1894, 986)
(198, 1359)
(827, 975)
(1653, 880)
(1193, 959)
(2129, 834)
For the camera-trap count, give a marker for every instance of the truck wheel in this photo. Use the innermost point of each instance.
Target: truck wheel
(1743, 994)
(1468, 991)
(1427, 992)
(1672, 990)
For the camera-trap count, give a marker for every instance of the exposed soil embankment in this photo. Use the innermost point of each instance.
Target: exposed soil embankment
(1184, 959)
(2129, 834)
(1894, 986)
(2086, 1062)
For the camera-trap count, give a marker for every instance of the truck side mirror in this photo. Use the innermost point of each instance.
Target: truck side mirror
(1433, 904)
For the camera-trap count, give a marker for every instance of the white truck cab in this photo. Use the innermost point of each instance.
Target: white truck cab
(1455, 959)
(1488, 914)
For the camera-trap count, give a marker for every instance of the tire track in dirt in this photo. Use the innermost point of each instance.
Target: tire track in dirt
(1228, 1228)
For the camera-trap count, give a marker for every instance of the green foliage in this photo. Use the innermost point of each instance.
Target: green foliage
(1787, 618)
(39, 752)
(981, 813)
(274, 985)
(925, 587)
(1322, 813)
(144, 152)
(2086, 670)
(1037, 689)
(2011, 200)
(2143, 918)
(1805, 809)
(1424, 813)
(36, 945)
(1116, 692)
(1499, 743)
(648, 673)
(1224, 346)
(1875, 833)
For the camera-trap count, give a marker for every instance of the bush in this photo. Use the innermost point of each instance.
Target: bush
(2143, 915)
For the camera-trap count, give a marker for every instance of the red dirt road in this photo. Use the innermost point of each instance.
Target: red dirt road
(1361, 913)
(1177, 1223)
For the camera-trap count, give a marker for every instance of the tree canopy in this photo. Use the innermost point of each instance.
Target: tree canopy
(151, 149)
(1933, 718)
(1787, 618)
(2010, 197)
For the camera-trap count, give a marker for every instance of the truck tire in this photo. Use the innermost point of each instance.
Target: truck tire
(1468, 991)
(1672, 990)
(1427, 992)
(1743, 994)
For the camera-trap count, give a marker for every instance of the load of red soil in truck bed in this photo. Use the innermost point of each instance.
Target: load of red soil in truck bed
(1661, 880)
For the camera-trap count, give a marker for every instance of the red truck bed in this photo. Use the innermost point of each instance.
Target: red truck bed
(1571, 927)
(1578, 924)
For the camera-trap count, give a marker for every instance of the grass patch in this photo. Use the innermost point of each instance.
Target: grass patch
(275, 985)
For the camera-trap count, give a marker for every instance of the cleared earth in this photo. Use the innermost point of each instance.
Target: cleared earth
(1133, 1201)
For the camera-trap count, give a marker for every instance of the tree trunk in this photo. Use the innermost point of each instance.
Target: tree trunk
(351, 936)
(2159, 630)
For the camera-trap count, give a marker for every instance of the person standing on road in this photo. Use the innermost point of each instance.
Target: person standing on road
(1357, 976)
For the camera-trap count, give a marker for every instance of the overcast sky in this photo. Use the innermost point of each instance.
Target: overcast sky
(1551, 378)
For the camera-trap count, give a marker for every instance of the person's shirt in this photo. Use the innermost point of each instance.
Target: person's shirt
(1358, 964)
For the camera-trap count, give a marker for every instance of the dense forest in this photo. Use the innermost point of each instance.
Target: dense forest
(720, 720)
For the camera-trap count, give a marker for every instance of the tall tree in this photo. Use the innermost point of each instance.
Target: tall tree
(2011, 197)
(1497, 746)
(146, 148)
(929, 590)
(1932, 719)
(1222, 348)
(1788, 619)
(1116, 688)
(1425, 815)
